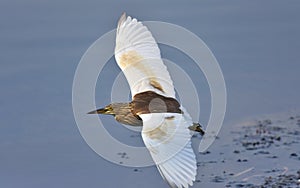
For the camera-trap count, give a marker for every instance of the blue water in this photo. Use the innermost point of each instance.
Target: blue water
(41, 42)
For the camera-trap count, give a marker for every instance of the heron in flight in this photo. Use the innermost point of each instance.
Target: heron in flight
(166, 125)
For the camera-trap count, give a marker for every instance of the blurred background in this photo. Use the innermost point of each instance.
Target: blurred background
(41, 42)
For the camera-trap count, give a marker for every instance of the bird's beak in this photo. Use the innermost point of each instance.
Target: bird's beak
(101, 111)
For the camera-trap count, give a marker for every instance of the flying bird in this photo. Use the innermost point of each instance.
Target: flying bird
(167, 126)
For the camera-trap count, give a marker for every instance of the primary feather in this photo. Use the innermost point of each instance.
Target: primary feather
(138, 55)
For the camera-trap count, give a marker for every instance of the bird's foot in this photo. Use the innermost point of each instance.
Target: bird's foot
(198, 128)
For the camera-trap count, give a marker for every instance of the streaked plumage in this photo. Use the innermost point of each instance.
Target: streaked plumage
(166, 125)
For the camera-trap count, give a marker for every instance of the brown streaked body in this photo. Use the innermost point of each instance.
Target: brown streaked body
(144, 103)
(122, 113)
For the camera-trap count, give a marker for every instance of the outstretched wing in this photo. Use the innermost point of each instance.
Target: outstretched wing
(138, 55)
(167, 137)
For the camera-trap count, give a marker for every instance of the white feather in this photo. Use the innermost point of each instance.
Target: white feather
(138, 55)
(170, 146)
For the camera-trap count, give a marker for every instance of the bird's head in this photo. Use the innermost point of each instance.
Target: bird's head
(106, 110)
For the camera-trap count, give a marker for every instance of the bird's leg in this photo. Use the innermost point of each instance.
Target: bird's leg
(197, 127)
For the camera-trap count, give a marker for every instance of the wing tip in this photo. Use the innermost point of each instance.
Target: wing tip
(173, 181)
(122, 19)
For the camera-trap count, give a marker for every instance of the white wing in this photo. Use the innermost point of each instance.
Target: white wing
(138, 55)
(167, 137)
